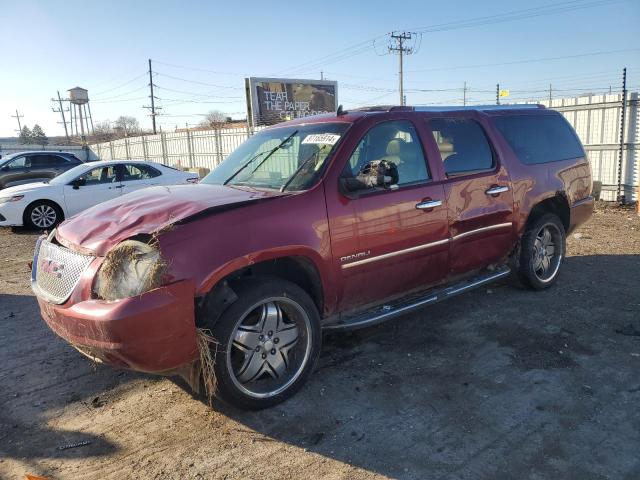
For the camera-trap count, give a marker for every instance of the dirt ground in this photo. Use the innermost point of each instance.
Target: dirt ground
(498, 383)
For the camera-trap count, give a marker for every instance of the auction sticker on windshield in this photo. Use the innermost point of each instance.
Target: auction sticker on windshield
(322, 138)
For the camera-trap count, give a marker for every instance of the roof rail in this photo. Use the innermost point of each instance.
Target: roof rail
(484, 108)
(448, 108)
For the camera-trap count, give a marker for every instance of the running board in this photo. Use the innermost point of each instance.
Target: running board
(398, 307)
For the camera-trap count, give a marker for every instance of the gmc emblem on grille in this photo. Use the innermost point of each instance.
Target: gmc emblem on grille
(52, 267)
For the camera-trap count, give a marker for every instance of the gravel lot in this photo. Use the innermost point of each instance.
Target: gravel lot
(499, 383)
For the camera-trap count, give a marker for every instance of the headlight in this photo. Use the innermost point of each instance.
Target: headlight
(129, 269)
(15, 198)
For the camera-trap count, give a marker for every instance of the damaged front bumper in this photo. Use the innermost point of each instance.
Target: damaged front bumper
(153, 332)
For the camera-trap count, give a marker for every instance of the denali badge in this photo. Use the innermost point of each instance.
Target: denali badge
(355, 256)
(52, 267)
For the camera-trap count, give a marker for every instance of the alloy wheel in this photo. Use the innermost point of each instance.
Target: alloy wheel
(43, 216)
(269, 347)
(547, 253)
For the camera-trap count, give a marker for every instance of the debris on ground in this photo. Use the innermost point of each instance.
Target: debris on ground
(74, 445)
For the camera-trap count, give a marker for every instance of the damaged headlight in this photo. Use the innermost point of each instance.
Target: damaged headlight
(129, 269)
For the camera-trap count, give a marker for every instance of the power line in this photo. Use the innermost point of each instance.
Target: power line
(198, 69)
(121, 85)
(513, 15)
(194, 94)
(124, 94)
(367, 45)
(516, 62)
(124, 100)
(199, 82)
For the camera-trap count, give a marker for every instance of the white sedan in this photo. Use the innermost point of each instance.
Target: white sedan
(45, 204)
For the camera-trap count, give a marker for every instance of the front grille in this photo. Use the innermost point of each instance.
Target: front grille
(56, 271)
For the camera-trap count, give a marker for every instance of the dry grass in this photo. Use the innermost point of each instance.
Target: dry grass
(206, 343)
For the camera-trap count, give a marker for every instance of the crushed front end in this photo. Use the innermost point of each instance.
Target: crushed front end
(117, 308)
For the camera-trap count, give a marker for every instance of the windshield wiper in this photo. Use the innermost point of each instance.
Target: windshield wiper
(271, 152)
(302, 165)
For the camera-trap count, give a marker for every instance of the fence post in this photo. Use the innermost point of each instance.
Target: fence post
(111, 149)
(126, 148)
(218, 137)
(190, 148)
(163, 145)
(144, 148)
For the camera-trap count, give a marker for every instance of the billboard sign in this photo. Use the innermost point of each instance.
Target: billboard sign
(275, 100)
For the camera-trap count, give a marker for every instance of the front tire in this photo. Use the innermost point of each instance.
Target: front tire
(42, 215)
(268, 343)
(542, 250)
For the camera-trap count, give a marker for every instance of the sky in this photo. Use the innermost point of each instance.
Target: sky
(202, 51)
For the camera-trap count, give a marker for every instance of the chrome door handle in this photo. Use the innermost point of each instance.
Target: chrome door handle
(497, 190)
(428, 204)
(117, 186)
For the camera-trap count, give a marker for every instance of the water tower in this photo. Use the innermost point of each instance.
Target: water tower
(80, 112)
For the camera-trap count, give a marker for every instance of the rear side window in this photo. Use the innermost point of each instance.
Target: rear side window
(100, 175)
(463, 146)
(43, 161)
(138, 172)
(540, 138)
(64, 160)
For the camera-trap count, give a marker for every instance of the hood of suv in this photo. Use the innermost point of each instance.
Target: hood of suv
(149, 210)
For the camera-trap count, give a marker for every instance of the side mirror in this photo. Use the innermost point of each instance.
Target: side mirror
(78, 182)
(376, 174)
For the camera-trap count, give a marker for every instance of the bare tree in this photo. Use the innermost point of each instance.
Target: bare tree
(214, 119)
(103, 132)
(126, 125)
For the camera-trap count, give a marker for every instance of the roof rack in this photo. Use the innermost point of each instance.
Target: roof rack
(484, 108)
(447, 108)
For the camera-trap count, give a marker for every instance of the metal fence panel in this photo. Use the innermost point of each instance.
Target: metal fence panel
(596, 119)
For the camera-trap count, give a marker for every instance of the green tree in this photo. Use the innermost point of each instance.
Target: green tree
(25, 136)
(38, 137)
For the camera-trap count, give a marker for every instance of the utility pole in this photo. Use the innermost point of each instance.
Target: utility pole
(550, 94)
(321, 75)
(400, 47)
(17, 116)
(621, 195)
(464, 94)
(497, 94)
(61, 111)
(153, 107)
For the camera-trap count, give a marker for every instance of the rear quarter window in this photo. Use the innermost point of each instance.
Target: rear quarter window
(540, 138)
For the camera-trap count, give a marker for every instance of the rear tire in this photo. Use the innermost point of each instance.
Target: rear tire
(42, 215)
(541, 253)
(268, 343)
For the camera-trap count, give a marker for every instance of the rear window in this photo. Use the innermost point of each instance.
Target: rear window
(540, 138)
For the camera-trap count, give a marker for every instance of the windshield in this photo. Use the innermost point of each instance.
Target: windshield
(288, 158)
(66, 177)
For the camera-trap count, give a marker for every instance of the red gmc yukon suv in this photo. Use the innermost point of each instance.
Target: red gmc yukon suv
(323, 223)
